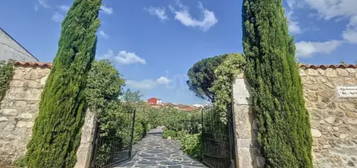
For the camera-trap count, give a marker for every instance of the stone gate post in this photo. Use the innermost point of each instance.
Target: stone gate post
(244, 130)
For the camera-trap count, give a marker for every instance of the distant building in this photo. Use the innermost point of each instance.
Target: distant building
(10, 49)
(198, 105)
(154, 101)
(157, 103)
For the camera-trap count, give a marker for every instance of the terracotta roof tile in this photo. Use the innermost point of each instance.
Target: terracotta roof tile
(33, 64)
(338, 66)
(304, 66)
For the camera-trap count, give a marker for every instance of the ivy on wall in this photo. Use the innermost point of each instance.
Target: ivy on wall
(6, 73)
(222, 87)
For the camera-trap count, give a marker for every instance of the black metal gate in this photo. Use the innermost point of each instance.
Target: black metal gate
(120, 149)
(217, 140)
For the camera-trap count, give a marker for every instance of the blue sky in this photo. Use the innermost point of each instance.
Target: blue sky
(154, 42)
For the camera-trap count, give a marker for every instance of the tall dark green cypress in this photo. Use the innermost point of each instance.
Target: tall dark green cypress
(284, 135)
(56, 133)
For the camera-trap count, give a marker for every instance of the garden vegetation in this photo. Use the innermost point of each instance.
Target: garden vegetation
(56, 132)
(6, 73)
(284, 135)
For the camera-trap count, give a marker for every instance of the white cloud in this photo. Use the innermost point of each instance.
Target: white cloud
(159, 12)
(106, 10)
(149, 83)
(124, 57)
(291, 3)
(205, 23)
(144, 84)
(103, 34)
(44, 3)
(350, 34)
(308, 49)
(64, 8)
(333, 8)
(163, 80)
(57, 17)
(329, 9)
(294, 27)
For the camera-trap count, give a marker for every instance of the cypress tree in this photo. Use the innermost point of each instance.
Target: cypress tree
(284, 135)
(56, 133)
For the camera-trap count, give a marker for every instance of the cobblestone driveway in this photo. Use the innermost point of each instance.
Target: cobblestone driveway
(155, 152)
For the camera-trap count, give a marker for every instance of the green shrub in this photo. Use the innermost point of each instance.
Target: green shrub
(222, 87)
(169, 134)
(57, 130)
(139, 130)
(102, 91)
(20, 162)
(284, 133)
(113, 131)
(6, 73)
(191, 144)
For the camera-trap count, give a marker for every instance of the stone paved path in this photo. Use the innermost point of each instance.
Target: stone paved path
(155, 152)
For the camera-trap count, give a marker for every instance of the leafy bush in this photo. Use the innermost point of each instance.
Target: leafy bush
(114, 131)
(169, 134)
(6, 73)
(222, 87)
(140, 130)
(185, 127)
(191, 144)
(114, 118)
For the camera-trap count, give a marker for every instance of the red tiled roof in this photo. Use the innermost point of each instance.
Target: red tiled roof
(338, 66)
(33, 64)
(304, 66)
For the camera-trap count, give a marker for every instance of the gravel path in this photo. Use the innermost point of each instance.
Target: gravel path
(154, 151)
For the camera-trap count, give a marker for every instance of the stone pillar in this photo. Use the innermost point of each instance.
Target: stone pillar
(244, 130)
(85, 150)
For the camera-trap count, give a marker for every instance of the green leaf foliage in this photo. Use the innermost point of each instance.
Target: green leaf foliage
(56, 133)
(6, 73)
(222, 87)
(114, 131)
(283, 123)
(131, 96)
(104, 85)
(191, 144)
(201, 76)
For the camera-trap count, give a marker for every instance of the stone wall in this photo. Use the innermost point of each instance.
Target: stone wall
(19, 109)
(333, 117)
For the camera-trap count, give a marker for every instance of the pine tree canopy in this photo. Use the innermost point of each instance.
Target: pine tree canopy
(201, 76)
(284, 135)
(56, 133)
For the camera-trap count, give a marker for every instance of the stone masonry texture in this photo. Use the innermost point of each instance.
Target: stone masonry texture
(18, 112)
(333, 118)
